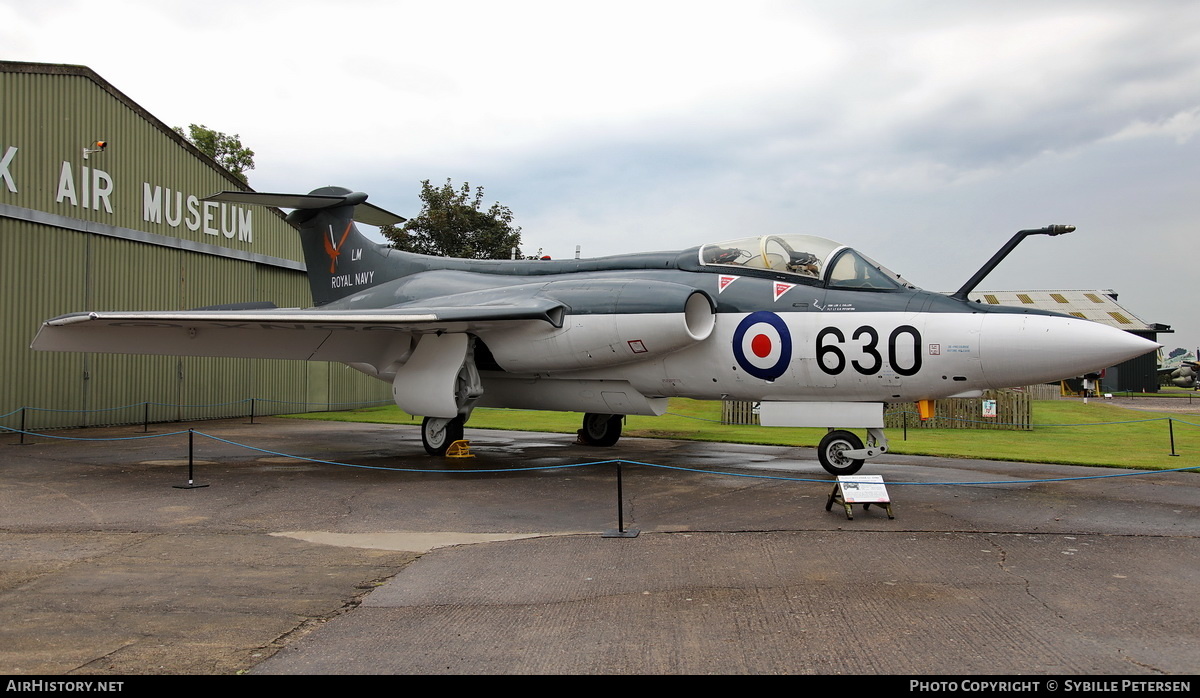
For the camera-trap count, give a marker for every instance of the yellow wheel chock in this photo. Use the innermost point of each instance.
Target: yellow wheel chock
(460, 449)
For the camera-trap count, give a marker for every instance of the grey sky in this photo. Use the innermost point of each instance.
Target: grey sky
(924, 133)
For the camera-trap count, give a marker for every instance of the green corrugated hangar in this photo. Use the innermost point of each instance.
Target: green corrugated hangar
(124, 228)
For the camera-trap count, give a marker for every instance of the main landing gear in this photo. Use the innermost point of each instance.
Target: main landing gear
(600, 429)
(437, 433)
(842, 452)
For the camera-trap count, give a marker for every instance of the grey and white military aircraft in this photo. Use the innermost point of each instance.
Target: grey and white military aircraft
(818, 333)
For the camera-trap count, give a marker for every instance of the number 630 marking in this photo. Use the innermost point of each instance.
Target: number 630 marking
(827, 347)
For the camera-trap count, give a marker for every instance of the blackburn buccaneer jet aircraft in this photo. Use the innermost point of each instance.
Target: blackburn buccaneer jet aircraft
(820, 334)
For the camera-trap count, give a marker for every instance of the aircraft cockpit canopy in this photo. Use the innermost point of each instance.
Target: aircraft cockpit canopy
(812, 259)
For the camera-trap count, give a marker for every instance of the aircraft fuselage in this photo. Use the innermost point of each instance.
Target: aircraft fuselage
(773, 337)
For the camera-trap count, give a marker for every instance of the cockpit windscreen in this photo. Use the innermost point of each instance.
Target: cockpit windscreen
(808, 257)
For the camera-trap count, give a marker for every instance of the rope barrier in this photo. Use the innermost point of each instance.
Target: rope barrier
(44, 435)
(1039, 426)
(757, 476)
(401, 470)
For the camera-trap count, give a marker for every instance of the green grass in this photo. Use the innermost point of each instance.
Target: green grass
(1099, 433)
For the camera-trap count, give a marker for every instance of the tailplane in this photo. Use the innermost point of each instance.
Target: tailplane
(340, 260)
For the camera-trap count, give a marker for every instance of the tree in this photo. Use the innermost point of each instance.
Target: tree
(452, 223)
(1177, 351)
(226, 150)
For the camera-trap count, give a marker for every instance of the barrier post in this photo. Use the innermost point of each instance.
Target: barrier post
(620, 531)
(22, 442)
(191, 483)
(146, 417)
(1171, 430)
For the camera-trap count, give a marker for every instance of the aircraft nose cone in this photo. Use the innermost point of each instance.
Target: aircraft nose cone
(1028, 349)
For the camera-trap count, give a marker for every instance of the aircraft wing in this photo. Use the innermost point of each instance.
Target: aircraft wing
(348, 336)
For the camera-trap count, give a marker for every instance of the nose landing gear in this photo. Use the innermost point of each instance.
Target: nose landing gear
(842, 452)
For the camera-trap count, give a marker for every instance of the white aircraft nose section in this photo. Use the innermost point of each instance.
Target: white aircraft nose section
(1020, 350)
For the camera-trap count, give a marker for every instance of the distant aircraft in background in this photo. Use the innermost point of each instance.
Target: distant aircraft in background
(820, 334)
(1185, 375)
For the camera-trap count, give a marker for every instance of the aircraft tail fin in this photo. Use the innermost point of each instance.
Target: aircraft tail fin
(341, 261)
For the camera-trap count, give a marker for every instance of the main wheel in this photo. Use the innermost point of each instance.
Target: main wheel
(600, 429)
(437, 433)
(829, 452)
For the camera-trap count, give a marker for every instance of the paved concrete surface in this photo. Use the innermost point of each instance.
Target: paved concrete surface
(286, 566)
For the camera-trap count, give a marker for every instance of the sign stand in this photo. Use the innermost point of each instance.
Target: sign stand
(859, 489)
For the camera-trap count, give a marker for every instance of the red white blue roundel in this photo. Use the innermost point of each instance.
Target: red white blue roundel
(762, 345)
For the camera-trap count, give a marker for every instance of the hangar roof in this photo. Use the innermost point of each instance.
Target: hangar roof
(1099, 306)
(88, 73)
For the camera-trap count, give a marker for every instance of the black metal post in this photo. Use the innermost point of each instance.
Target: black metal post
(1171, 429)
(22, 443)
(620, 532)
(191, 483)
(621, 500)
(252, 410)
(905, 413)
(146, 417)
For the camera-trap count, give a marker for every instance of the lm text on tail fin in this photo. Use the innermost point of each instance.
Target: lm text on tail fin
(340, 260)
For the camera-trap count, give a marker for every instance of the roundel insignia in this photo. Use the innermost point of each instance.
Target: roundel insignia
(762, 345)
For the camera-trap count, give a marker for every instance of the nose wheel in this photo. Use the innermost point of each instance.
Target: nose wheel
(843, 453)
(832, 453)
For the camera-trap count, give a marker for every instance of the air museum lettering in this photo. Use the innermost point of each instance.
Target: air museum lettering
(160, 204)
(96, 182)
(93, 188)
(5, 161)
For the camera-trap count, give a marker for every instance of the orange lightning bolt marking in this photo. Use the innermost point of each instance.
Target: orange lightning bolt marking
(335, 250)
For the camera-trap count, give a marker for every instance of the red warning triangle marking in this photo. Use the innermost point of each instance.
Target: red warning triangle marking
(782, 288)
(724, 280)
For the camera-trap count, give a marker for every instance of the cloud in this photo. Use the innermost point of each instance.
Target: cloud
(1180, 127)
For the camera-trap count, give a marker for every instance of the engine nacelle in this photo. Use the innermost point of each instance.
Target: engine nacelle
(625, 333)
(1184, 377)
